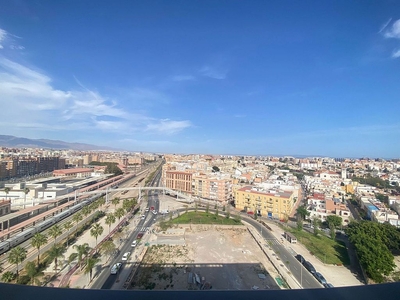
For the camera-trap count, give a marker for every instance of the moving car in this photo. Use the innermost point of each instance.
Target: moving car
(320, 278)
(143, 217)
(115, 268)
(126, 256)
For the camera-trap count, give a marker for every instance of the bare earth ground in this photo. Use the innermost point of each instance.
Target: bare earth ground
(223, 257)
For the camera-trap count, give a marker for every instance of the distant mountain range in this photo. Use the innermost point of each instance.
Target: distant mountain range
(20, 142)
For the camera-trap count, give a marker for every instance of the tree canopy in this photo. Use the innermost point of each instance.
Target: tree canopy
(334, 220)
(374, 242)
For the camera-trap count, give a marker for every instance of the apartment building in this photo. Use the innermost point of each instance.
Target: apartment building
(272, 203)
(179, 181)
(212, 187)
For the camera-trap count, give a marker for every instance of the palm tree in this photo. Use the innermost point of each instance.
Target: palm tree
(90, 264)
(32, 272)
(119, 213)
(54, 232)
(115, 201)
(101, 201)
(37, 241)
(16, 256)
(86, 211)
(26, 191)
(7, 276)
(55, 253)
(6, 190)
(67, 226)
(110, 219)
(96, 231)
(82, 251)
(76, 218)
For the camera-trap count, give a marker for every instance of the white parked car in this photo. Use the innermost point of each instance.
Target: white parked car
(143, 217)
(126, 256)
(154, 212)
(134, 243)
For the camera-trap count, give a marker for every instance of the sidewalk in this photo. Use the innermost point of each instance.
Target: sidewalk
(336, 275)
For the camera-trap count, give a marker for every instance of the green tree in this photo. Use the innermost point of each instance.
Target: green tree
(115, 201)
(32, 272)
(82, 251)
(216, 212)
(8, 276)
(110, 219)
(56, 252)
(7, 190)
(55, 231)
(207, 208)
(119, 213)
(96, 231)
(37, 241)
(195, 207)
(371, 242)
(302, 212)
(26, 191)
(112, 168)
(101, 201)
(67, 226)
(76, 219)
(90, 264)
(16, 256)
(108, 248)
(333, 220)
(332, 231)
(85, 212)
(316, 223)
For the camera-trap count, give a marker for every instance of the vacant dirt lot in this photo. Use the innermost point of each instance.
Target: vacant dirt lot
(204, 257)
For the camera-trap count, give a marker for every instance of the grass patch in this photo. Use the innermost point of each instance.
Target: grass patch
(327, 250)
(193, 217)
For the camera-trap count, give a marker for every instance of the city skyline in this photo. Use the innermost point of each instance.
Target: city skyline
(309, 79)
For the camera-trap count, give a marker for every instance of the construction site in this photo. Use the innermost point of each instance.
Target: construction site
(203, 257)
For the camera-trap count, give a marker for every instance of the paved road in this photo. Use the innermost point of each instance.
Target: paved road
(299, 272)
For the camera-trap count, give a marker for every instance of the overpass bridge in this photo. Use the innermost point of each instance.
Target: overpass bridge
(179, 196)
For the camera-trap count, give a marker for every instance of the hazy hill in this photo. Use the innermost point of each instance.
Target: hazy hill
(20, 142)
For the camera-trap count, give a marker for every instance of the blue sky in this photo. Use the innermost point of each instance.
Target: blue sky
(222, 77)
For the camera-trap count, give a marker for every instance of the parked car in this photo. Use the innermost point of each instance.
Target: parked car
(320, 278)
(300, 258)
(126, 256)
(328, 285)
(134, 243)
(309, 267)
(115, 268)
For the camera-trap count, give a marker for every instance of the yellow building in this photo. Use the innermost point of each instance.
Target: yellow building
(274, 204)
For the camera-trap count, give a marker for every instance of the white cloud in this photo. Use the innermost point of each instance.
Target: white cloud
(213, 72)
(183, 78)
(394, 31)
(168, 126)
(29, 101)
(396, 54)
(3, 35)
(383, 27)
